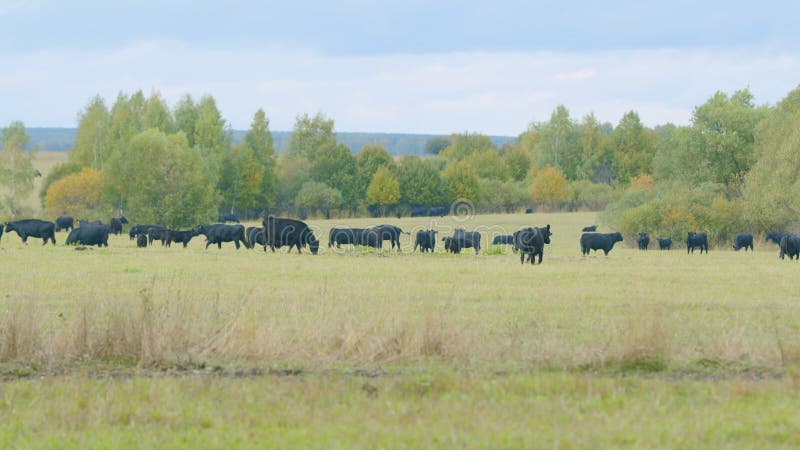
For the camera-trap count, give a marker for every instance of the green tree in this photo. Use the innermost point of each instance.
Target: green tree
(292, 173)
(435, 145)
(384, 189)
(634, 148)
(557, 143)
(774, 180)
(518, 162)
(461, 182)
(596, 154)
(420, 182)
(156, 114)
(211, 136)
(487, 163)
(369, 159)
(16, 166)
(336, 167)
(311, 135)
(165, 183)
(92, 141)
(259, 140)
(186, 115)
(316, 196)
(465, 144)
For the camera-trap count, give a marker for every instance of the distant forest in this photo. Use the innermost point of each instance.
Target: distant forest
(61, 139)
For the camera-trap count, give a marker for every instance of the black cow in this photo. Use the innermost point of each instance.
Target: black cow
(140, 229)
(141, 240)
(590, 229)
(82, 222)
(181, 237)
(115, 226)
(528, 210)
(346, 236)
(65, 223)
(439, 211)
(418, 211)
(426, 240)
(90, 234)
(255, 235)
(382, 233)
(599, 241)
(790, 245)
(743, 240)
(228, 217)
(156, 233)
(33, 228)
(664, 243)
(468, 239)
(643, 241)
(530, 241)
(292, 233)
(699, 240)
(504, 239)
(1, 231)
(219, 233)
(776, 237)
(451, 245)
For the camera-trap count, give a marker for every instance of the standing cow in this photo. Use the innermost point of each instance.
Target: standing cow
(219, 233)
(33, 228)
(530, 241)
(699, 240)
(426, 240)
(743, 240)
(790, 245)
(643, 241)
(664, 243)
(65, 223)
(91, 234)
(599, 241)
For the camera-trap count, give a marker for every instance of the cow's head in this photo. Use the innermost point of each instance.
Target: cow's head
(9, 227)
(546, 233)
(618, 237)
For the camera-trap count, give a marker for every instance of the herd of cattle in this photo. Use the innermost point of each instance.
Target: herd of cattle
(281, 232)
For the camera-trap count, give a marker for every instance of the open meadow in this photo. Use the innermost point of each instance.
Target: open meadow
(162, 347)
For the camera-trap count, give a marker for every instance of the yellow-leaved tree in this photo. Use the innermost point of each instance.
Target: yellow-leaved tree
(76, 194)
(549, 187)
(384, 189)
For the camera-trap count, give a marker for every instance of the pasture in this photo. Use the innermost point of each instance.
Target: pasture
(160, 348)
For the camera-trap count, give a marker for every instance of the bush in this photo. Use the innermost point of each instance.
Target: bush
(550, 187)
(75, 194)
(585, 195)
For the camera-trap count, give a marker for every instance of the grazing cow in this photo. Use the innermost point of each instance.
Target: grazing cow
(531, 241)
(451, 245)
(438, 211)
(140, 229)
(590, 229)
(346, 236)
(90, 234)
(228, 217)
(219, 233)
(599, 241)
(505, 239)
(182, 237)
(65, 223)
(255, 235)
(664, 243)
(699, 240)
(643, 241)
(528, 210)
(776, 237)
(141, 240)
(743, 240)
(292, 233)
(790, 245)
(426, 240)
(33, 228)
(468, 239)
(418, 211)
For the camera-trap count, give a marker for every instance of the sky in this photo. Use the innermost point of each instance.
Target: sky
(397, 66)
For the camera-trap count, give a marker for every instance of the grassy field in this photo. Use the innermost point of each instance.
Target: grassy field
(159, 348)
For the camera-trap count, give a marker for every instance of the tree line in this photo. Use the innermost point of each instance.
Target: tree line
(178, 165)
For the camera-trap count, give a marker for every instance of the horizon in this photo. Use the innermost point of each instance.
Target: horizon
(409, 69)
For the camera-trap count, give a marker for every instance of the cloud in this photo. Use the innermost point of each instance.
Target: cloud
(489, 92)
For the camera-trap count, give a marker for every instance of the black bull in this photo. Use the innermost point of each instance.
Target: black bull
(89, 235)
(280, 232)
(33, 228)
(530, 241)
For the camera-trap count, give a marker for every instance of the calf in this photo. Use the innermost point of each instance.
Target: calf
(182, 237)
(426, 240)
(590, 229)
(141, 240)
(664, 243)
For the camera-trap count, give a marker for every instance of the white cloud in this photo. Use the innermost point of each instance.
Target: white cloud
(496, 93)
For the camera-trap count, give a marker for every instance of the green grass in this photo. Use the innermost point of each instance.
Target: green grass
(127, 347)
